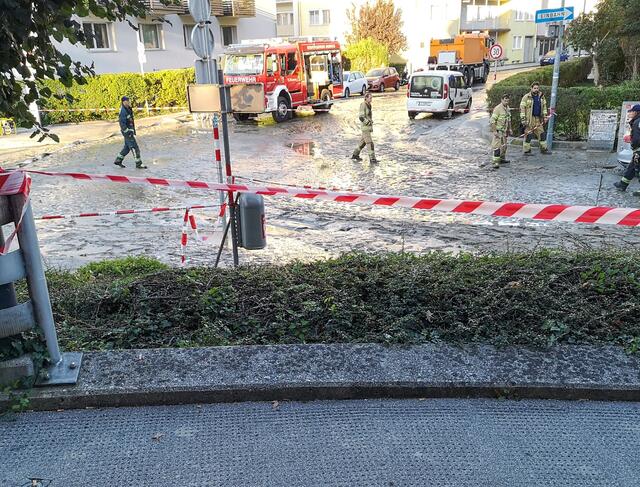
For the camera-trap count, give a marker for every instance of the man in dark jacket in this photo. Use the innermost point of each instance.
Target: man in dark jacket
(633, 170)
(128, 130)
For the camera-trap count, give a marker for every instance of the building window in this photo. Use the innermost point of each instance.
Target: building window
(319, 17)
(150, 35)
(187, 29)
(97, 35)
(517, 42)
(229, 35)
(285, 19)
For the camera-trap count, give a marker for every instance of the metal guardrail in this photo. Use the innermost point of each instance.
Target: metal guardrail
(15, 318)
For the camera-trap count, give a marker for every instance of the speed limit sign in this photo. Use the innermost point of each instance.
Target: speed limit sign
(496, 52)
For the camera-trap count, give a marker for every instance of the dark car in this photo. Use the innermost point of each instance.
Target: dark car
(380, 79)
(550, 58)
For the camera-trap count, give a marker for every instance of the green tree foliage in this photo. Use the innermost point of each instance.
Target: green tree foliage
(381, 22)
(366, 54)
(612, 36)
(30, 33)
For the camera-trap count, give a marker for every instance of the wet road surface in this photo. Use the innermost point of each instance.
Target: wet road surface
(426, 157)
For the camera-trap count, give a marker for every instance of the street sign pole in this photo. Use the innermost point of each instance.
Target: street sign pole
(554, 86)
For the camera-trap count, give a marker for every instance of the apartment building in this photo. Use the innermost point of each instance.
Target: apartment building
(422, 20)
(166, 35)
(510, 22)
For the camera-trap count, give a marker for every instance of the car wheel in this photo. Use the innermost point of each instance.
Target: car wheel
(347, 93)
(381, 89)
(412, 115)
(282, 112)
(363, 91)
(397, 85)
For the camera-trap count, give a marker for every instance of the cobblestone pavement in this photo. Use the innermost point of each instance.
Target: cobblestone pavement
(349, 443)
(424, 157)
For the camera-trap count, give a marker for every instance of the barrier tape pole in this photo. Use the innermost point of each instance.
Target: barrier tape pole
(184, 238)
(534, 211)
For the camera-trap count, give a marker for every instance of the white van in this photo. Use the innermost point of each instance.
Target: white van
(437, 92)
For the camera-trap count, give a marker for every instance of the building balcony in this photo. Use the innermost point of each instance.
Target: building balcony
(171, 7)
(222, 8)
(484, 15)
(235, 8)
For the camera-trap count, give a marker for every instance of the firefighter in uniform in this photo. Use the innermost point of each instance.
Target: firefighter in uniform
(533, 115)
(500, 127)
(366, 125)
(633, 170)
(128, 130)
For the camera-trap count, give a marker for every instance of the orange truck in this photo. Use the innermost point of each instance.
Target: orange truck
(466, 53)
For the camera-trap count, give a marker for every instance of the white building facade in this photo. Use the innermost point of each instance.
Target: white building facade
(166, 34)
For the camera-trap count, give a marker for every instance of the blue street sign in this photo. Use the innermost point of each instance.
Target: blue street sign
(554, 15)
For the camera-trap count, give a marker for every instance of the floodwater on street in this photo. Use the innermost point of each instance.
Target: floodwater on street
(426, 157)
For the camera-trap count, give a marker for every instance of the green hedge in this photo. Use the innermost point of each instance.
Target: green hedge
(574, 103)
(573, 107)
(572, 73)
(166, 88)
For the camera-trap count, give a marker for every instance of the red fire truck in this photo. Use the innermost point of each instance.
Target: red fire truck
(294, 73)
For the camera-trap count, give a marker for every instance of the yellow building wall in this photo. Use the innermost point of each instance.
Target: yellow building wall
(518, 28)
(306, 29)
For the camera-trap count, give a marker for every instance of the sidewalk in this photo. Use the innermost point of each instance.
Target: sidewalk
(74, 133)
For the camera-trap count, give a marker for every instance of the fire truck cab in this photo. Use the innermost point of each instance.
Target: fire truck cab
(293, 72)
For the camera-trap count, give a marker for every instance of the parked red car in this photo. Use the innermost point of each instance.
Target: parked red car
(380, 79)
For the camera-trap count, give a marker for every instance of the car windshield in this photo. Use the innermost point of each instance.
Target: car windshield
(243, 64)
(551, 53)
(375, 72)
(426, 86)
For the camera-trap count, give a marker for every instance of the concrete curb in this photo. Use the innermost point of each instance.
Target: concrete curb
(312, 372)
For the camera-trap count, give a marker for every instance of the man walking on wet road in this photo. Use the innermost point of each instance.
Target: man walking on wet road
(533, 115)
(500, 126)
(633, 170)
(366, 125)
(128, 130)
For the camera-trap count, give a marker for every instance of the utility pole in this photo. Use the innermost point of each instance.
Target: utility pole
(554, 85)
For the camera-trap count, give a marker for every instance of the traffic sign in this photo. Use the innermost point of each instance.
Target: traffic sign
(202, 40)
(554, 15)
(496, 52)
(200, 10)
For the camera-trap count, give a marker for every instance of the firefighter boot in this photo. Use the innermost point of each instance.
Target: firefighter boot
(139, 164)
(622, 184)
(118, 162)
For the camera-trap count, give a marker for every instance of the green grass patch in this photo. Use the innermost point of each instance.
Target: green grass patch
(535, 299)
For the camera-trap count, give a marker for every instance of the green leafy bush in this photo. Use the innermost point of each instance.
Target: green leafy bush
(528, 299)
(166, 88)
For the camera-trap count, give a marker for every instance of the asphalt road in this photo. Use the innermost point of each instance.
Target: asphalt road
(347, 443)
(426, 157)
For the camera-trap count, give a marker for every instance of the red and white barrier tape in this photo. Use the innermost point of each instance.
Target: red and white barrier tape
(13, 183)
(546, 212)
(125, 212)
